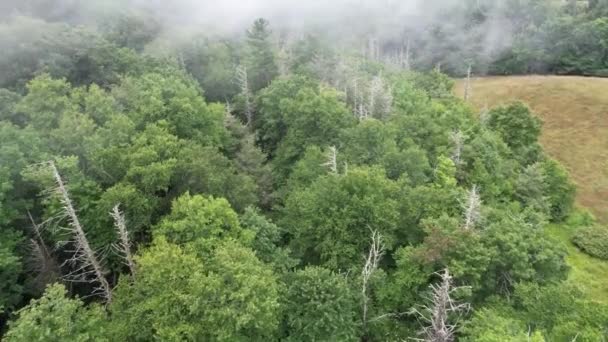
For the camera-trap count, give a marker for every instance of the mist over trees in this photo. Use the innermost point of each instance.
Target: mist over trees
(284, 171)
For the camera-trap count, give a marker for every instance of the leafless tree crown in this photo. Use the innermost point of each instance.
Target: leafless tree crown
(88, 266)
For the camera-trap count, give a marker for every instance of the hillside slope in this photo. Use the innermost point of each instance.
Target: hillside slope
(575, 132)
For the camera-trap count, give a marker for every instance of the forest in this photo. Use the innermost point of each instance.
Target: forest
(271, 180)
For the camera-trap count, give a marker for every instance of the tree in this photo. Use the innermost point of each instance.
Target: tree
(331, 219)
(560, 190)
(267, 243)
(201, 222)
(89, 266)
(494, 325)
(440, 309)
(260, 58)
(319, 305)
(176, 296)
(55, 317)
(11, 268)
(171, 96)
(518, 127)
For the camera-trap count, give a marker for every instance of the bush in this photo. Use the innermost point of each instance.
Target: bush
(593, 241)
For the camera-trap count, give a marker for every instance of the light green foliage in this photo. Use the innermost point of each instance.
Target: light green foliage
(319, 306)
(562, 312)
(46, 102)
(171, 96)
(241, 298)
(445, 173)
(202, 222)
(331, 220)
(159, 304)
(95, 103)
(151, 159)
(492, 325)
(56, 317)
(593, 240)
(176, 296)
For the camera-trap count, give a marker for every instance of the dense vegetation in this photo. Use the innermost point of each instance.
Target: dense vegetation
(235, 190)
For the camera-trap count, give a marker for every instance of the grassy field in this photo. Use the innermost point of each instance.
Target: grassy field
(575, 132)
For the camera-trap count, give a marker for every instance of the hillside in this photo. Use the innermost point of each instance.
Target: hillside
(575, 132)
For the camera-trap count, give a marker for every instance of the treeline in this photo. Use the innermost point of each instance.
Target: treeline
(505, 38)
(236, 190)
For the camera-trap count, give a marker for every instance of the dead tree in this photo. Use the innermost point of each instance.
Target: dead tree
(472, 208)
(41, 259)
(376, 251)
(441, 311)
(89, 268)
(457, 138)
(405, 57)
(243, 82)
(332, 160)
(380, 98)
(123, 247)
(467, 84)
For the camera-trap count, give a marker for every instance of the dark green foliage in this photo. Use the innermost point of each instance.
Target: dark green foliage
(127, 127)
(260, 56)
(11, 268)
(132, 30)
(561, 190)
(331, 220)
(519, 129)
(504, 251)
(319, 306)
(593, 240)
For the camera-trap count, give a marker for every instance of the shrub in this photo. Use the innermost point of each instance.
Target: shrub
(593, 241)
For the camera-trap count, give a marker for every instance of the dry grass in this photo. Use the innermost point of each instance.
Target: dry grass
(575, 131)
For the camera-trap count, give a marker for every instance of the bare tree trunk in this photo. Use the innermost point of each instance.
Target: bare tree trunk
(457, 138)
(472, 208)
(437, 314)
(84, 254)
(467, 84)
(332, 160)
(376, 251)
(243, 82)
(124, 245)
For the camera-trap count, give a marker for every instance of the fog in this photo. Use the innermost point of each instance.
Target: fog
(350, 23)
